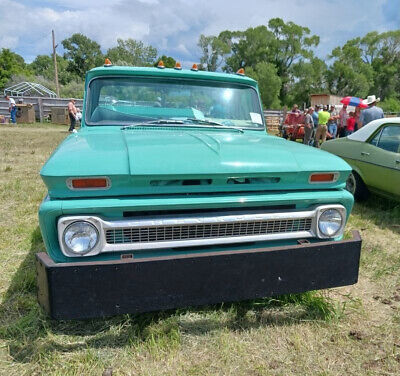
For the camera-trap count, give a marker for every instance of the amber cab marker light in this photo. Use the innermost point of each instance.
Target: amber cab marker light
(194, 67)
(88, 183)
(161, 64)
(323, 177)
(178, 66)
(240, 72)
(107, 62)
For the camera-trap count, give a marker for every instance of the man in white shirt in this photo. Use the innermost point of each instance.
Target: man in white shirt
(12, 108)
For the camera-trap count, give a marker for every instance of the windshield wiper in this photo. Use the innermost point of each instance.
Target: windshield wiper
(153, 122)
(215, 123)
(212, 124)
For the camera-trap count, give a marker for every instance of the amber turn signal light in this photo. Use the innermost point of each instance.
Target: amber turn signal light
(240, 72)
(323, 177)
(88, 183)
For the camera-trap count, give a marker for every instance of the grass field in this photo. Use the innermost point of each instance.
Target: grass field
(345, 331)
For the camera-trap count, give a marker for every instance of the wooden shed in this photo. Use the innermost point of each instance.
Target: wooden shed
(59, 115)
(25, 113)
(324, 99)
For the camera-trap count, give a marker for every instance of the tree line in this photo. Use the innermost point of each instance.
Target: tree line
(281, 56)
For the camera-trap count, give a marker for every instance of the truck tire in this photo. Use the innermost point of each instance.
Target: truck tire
(357, 187)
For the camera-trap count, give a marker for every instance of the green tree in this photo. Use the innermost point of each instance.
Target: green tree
(291, 43)
(43, 65)
(310, 79)
(249, 48)
(11, 64)
(169, 62)
(349, 74)
(385, 62)
(281, 44)
(214, 49)
(133, 53)
(390, 105)
(268, 81)
(82, 54)
(367, 65)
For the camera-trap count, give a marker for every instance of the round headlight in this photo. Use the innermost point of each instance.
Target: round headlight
(80, 237)
(330, 222)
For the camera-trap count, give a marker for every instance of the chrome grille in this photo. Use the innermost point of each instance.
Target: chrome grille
(148, 234)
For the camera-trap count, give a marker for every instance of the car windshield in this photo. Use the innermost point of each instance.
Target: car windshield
(132, 100)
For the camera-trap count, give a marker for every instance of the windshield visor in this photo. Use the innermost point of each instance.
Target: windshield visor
(133, 100)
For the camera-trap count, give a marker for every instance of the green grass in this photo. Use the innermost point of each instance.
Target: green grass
(352, 330)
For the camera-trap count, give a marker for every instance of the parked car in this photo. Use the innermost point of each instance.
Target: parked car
(373, 152)
(186, 201)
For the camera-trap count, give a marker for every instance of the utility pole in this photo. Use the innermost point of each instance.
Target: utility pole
(55, 64)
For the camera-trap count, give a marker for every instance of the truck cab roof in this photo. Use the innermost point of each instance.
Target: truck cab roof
(169, 73)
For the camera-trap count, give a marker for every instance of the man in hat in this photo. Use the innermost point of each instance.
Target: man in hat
(373, 112)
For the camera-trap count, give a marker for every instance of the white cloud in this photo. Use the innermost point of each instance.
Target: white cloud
(174, 26)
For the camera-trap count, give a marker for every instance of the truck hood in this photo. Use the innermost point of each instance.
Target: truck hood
(161, 160)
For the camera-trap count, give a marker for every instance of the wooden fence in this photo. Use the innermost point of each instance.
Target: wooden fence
(42, 105)
(273, 118)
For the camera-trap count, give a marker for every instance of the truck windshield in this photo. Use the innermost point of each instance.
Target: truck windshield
(133, 100)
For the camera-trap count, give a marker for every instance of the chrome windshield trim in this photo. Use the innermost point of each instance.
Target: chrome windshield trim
(184, 220)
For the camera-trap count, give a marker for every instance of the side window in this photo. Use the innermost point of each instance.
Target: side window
(389, 139)
(375, 140)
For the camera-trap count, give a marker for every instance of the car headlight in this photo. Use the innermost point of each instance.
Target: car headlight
(80, 237)
(330, 222)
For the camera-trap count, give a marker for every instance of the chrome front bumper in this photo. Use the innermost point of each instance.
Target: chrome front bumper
(194, 230)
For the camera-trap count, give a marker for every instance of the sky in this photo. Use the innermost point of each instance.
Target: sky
(173, 27)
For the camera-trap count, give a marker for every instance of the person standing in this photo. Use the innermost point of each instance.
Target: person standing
(332, 122)
(315, 119)
(282, 122)
(357, 114)
(72, 114)
(343, 116)
(308, 126)
(373, 112)
(323, 117)
(295, 109)
(294, 119)
(351, 122)
(12, 109)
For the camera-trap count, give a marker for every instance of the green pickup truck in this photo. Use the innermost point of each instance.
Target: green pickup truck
(173, 194)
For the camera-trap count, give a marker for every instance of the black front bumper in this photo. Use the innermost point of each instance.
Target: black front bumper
(86, 289)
